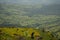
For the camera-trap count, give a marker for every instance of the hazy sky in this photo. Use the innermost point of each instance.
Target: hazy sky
(33, 1)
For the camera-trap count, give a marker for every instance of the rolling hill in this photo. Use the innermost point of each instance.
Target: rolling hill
(28, 16)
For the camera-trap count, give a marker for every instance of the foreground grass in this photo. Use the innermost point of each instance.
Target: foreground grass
(25, 34)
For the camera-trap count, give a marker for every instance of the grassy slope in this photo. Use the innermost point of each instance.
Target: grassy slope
(24, 32)
(14, 15)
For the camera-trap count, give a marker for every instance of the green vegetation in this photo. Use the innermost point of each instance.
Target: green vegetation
(24, 16)
(25, 34)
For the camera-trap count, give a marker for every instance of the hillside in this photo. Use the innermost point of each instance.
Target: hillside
(28, 16)
(25, 34)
